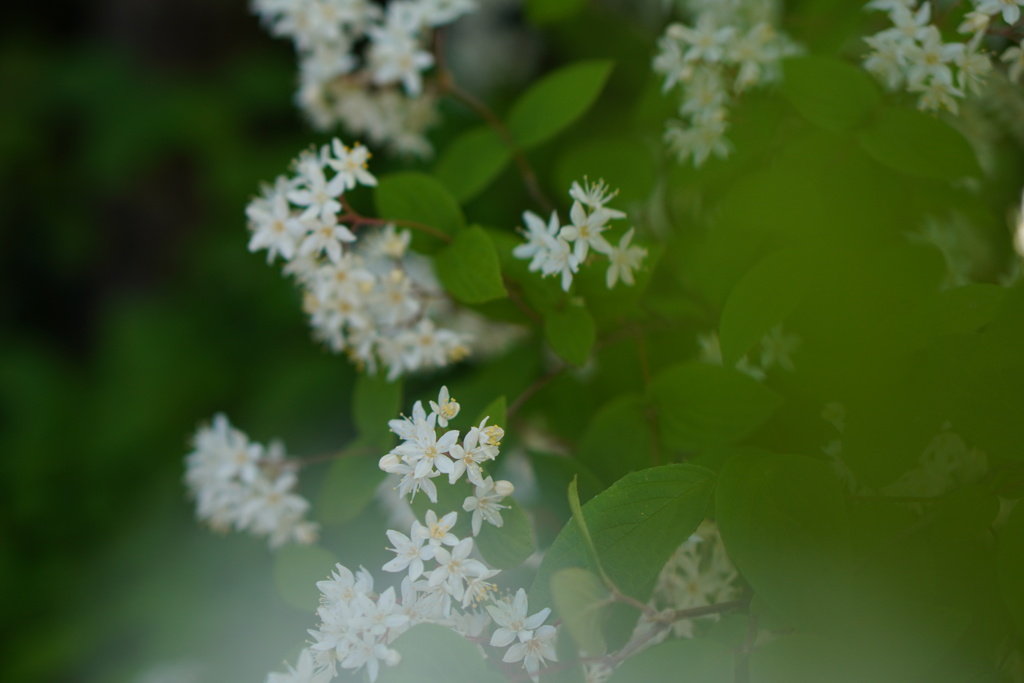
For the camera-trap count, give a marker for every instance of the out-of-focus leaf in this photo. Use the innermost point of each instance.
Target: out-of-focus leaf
(471, 162)
(556, 101)
(700, 405)
(919, 145)
(571, 333)
(829, 92)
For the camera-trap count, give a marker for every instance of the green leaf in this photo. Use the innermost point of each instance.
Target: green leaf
(1010, 563)
(617, 440)
(296, 570)
(700, 405)
(784, 524)
(374, 402)
(636, 524)
(581, 525)
(471, 162)
(556, 101)
(764, 297)
(549, 11)
(571, 333)
(917, 144)
(702, 661)
(578, 595)
(469, 268)
(437, 654)
(829, 92)
(418, 197)
(350, 484)
(507, 546)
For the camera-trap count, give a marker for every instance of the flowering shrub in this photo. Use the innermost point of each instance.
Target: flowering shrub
(771, 437)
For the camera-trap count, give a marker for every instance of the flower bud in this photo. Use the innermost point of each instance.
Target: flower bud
(389, 462)
(504, 488)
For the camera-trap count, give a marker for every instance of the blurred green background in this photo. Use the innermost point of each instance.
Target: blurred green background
(131, 136)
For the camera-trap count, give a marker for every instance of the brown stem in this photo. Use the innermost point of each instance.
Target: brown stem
(694, 612)
(520, 303)
(355, 219)
(446, 82)
(533, 389)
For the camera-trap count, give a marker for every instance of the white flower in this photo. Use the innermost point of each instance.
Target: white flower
(561, 260)
(624, 259)
(436, 531)
(370, 653)
(455, 567)
(1014, 56)
(936, 95)
(776, 348)
(595, 196)
(585, 230)
(313, 190)
(325, 235)
(273, 224)
(440, 12)
(409, 554)
(510, 616)
(929, 59)
(446, 407)
(705, 93)
(485, 504)
(911, 25)
(478, 590)
(534, 651)
(700, 141)
(406, 428)
(669, 61)
(887, 59)
(974, 22)
(974, 67)
(540, 239)
(350, 164)
(306, 671)
(230, 478)
(706, 41)
(387, 243)
(1010, 9)
(425, 451)
(394, 53)
(466, 458)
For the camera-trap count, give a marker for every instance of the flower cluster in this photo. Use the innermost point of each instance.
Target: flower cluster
(422, 456)
(358, 626)
(945, 463)
(241, 484)
(774, 349)
(362, 66)
(911, 55)
(699, 573)
(371, 297)
(556, 249)
(731, 47)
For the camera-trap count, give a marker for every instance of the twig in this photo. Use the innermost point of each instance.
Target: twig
(446, 83)
(529, 391)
